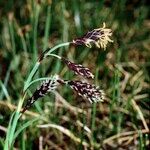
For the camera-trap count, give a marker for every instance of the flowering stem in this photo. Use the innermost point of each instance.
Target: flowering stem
(54, 55)
(56, 47)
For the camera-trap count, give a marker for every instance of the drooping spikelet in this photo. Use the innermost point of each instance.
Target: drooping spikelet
(87, 91)
(47, 86)
(100, 37)
(78, 69)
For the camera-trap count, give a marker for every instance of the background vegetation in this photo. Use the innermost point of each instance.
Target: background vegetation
(121, 122)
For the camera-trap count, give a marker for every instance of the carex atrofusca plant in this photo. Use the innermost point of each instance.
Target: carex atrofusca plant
(99, 37)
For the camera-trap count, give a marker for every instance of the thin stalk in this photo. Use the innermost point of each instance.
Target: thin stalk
(54, 55)
(56, 47)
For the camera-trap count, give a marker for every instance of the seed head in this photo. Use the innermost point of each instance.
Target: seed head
(78, 69)
(47, 86)
(87, 91)
(100, 37)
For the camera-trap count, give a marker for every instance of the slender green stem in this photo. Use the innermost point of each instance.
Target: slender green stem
(54, 55)
(56, 47)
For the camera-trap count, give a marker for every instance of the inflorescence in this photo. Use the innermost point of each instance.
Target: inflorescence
(100, 37)
(46, 87)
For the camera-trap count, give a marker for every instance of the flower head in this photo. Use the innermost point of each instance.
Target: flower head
(47, 86)
(87, 91)
(78, 69)
(100, 37)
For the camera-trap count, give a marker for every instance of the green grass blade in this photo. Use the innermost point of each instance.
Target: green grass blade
(13, 128)
(6, 145)
(32, 73)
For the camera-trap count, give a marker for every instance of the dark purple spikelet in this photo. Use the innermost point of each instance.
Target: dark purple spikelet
(78, 69)
(87, 91)
(100, 37)
(46, 87)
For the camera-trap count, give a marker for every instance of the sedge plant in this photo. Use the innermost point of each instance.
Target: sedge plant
(99, 37)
